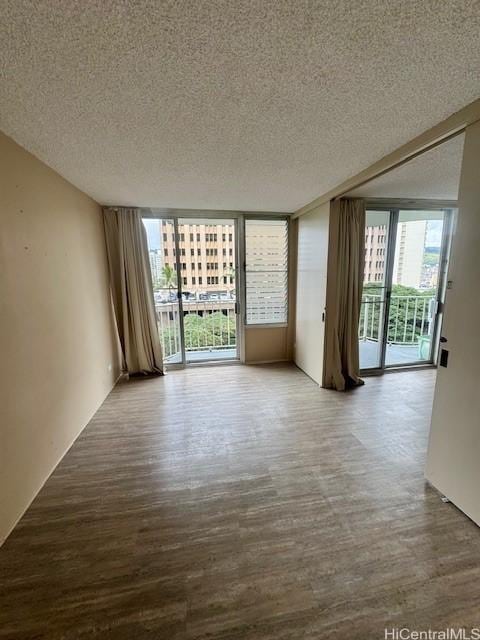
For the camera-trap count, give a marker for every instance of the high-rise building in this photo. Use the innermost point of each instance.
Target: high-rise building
(206, 254)
(156, 264)
(429, 279)
(375, 253)
(409, 253)
(408, 263)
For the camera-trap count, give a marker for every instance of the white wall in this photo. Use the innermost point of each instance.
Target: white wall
(453, 461)
(59, 355)
(313, 233)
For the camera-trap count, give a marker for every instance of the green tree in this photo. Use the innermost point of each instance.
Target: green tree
(431, 259)
(169, 277)
(210, 330)
(409, 312)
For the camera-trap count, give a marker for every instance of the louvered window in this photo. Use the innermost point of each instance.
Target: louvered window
(266, 266)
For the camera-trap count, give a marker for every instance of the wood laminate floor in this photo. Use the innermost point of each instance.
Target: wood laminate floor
(243, 503)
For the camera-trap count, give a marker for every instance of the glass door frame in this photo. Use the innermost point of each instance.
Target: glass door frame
(179, 292)
(389, 263)
(394, 211)
(174, 215)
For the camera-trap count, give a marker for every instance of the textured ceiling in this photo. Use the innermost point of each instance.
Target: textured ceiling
(229, 104)
(433, 175)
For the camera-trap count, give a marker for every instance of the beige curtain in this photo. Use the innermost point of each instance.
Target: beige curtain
(344, 293)
(131, 286)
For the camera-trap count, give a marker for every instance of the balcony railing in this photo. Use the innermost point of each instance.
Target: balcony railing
(209, 326)
(410, 318)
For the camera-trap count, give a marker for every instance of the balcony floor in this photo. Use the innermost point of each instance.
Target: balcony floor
(213, 355)
(396, 354)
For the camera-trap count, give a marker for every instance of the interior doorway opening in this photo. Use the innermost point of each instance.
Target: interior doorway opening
(406, 261)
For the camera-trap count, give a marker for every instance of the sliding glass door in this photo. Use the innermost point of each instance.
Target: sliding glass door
(374, 296)
(209, 295)
(193, 265)
(163, 266)
(414, 302)
(406, 254)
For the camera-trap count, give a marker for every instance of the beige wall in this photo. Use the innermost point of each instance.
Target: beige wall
(313, 235)
(266, 344)
(58, 351)
(453, 465)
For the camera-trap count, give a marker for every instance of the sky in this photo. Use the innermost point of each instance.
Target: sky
(434, 233)
(153, 233)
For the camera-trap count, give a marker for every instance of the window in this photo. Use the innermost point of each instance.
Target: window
(266, 271)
